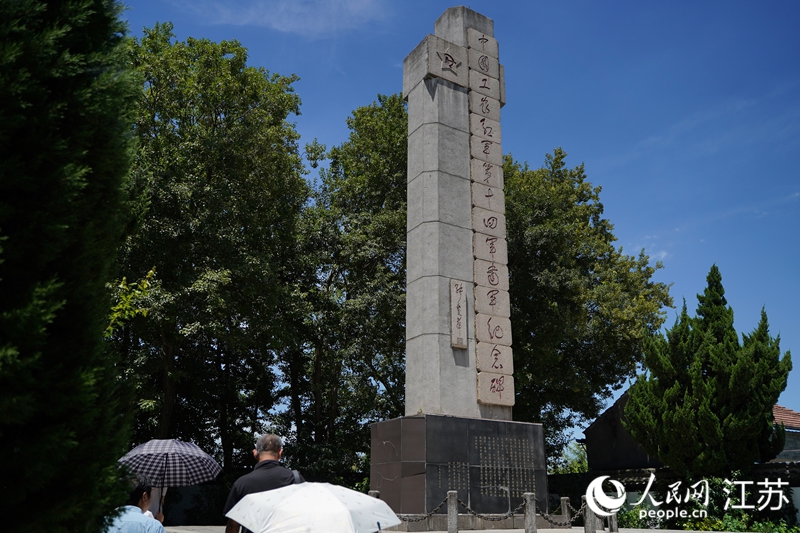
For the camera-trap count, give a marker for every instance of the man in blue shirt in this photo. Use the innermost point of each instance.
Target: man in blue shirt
(132, 518)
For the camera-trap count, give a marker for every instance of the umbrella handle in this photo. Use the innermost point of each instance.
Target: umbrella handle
(163, 475)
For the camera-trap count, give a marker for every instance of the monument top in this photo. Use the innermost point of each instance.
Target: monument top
(453, 24)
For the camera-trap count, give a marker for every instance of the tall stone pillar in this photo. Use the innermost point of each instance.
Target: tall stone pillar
(457, 433)
(458, 333)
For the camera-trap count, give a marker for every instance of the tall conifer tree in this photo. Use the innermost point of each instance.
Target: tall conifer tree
(705, 405)
(64, 151)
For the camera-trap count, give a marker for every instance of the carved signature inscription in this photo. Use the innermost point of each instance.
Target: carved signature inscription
(487, 171)
(495, 332)
(497, 385)
(458, 336)
(487, 130)
(496, 358)
(491, 275)
(485, 109)
(492, 294)
(492, 242)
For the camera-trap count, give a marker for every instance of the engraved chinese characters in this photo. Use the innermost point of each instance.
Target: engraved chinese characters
(507, 466)
(458, 315)
(492, 306)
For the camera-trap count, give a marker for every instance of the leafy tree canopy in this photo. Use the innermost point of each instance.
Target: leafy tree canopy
(704, 405)
(581, 309)
(573, 460)
(216, 188)
(327, 337)
(344, 368)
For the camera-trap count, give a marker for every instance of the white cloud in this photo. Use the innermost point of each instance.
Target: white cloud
(648, 243)
(310, 18)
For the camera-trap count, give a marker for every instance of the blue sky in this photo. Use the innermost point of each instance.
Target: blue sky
(686, 113)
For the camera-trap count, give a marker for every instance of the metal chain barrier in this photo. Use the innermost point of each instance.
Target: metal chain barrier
(496, 518)
(492, 518)
(423, 517)
(577, 511)
(558, 524)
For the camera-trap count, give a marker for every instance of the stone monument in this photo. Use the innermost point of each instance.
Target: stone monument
(457, 432)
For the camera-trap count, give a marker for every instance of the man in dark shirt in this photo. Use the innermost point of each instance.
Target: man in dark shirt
(268, 474)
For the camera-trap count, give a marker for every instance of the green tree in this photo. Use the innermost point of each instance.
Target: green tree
(345, 368)
(129, 301)
(580, 308)
(704, 405)
(573, 460)
(65, 147)
(217, 189)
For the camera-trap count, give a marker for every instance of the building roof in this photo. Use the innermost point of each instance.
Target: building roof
(789, 418)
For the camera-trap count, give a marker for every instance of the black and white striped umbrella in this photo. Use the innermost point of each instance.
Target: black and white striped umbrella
(171, 463)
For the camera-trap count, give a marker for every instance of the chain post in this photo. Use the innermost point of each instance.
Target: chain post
(530, 511)
(452, 511)
(565, 508)
(613, 525)
(589, 519)
(375, 494)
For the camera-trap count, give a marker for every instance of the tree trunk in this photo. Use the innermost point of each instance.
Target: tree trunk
(168, 404)
(295, 368)
(224, 421)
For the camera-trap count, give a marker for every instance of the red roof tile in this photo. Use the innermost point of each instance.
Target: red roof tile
(790, 419)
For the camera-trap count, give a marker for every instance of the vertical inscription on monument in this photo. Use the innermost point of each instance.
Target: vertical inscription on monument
(458, 314)
(492, 305)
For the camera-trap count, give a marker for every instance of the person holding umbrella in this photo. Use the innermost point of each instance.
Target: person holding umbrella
(156, 504)
(268, 474)
(132, 518)
(170, 463)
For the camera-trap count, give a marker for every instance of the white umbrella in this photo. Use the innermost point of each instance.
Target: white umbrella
(317, 507)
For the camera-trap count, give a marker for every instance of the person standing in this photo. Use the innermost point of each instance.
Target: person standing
(268, 474)
(156, 509)
(132, 519)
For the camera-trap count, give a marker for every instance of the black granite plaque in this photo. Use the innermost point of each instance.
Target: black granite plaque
(490, 463)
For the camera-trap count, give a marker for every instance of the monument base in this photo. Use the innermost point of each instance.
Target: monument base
(490, 463)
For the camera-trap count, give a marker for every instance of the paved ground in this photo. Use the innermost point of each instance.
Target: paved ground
(221, 529)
